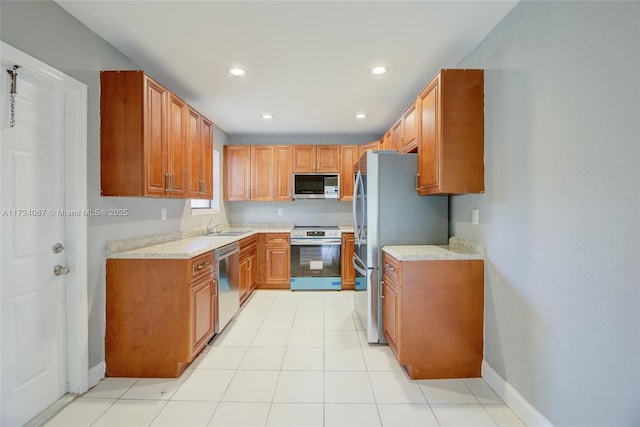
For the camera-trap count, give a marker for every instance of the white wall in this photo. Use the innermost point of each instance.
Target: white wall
(47, 32)
(560, 214)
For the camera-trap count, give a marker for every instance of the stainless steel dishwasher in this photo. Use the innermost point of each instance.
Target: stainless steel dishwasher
(228, 259)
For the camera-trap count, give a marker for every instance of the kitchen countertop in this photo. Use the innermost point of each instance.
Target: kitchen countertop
(192, 246)
(458, 249)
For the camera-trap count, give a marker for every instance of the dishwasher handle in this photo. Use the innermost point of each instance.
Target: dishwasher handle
(227, 250)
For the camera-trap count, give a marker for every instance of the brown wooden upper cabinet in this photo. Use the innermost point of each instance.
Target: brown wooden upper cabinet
(316, 158)
(257, 173)
(451, 134)
(348, 159)
(369, 146)
(200, 149)
(408, 131)
(145, 139)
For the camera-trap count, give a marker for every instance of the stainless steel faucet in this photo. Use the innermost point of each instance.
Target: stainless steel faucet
(211, 229)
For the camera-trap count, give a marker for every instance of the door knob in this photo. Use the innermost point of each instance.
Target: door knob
(59, 270)
(57, 248)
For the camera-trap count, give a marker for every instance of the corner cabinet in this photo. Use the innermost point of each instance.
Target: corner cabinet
(160, 313)
(432, 316)
(451, 134)
(146, 138)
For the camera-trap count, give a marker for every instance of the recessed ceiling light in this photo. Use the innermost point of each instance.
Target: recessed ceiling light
(376, 71)
(267, 116)
(361, 116)
(237, 72)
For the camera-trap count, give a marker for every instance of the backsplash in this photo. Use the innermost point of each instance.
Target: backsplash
(298, 212)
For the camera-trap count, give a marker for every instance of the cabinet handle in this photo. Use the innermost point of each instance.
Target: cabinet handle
(172, 181)
(417, 181)
(203, 265)
(250, 263)
(382, 287)
(204, 186)
(389, 267)
(167, 178)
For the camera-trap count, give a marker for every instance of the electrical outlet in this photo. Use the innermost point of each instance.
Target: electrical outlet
(163, 214)
(279, 211)
(475, 216)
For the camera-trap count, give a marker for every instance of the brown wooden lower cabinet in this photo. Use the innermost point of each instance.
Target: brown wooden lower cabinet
(248, 266)
(274, 261)
(433, 316)
(160, 313)
(348, 271)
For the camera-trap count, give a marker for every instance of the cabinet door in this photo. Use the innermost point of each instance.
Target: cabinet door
(206, 144)
(408, 138)
(348, 271)
(253, 271)
(387, 141)
(262, 173)
(348, 159)
(237, 169)
(245, 279)
(396, 136)
(278, 262)
(194, 148)
(282, 174)
(390, 315)
(429, 150)
(155, 161)
(328, 158)
(176, 147)
(304, 158)
(201, 313)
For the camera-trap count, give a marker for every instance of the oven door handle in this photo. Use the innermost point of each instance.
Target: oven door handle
(315, 242)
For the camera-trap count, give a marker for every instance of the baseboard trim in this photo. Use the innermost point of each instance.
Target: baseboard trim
(518, 404)
(97, 373)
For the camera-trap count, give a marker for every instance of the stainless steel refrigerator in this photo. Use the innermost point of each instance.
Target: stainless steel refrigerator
(387, 210)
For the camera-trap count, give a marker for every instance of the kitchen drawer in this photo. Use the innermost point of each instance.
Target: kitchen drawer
(277, 239)
(248, 245)
(392, 268)
(202, 265)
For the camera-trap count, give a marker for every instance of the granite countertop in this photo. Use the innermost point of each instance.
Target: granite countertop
(183, 247)
(458, 249)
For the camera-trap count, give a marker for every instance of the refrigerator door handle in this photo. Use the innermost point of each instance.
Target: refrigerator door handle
(353, 208)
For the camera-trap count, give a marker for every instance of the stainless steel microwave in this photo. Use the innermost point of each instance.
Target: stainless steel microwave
(316, 186)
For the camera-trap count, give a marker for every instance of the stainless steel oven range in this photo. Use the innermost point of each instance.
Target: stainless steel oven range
(315, 258)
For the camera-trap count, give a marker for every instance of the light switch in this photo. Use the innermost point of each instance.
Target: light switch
(475, 216)
(163, 214)
(279, 211)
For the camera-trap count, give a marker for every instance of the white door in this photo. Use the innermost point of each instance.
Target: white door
(32, 174)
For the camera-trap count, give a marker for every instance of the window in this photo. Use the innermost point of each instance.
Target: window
(207, 207)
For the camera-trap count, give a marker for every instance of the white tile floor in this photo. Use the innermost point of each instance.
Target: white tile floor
(290, 359)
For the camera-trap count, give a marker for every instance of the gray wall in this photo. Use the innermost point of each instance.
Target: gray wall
(298, 212)
(47, 32)
(560, 214)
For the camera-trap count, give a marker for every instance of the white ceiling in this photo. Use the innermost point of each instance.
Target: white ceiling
(307, 62)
